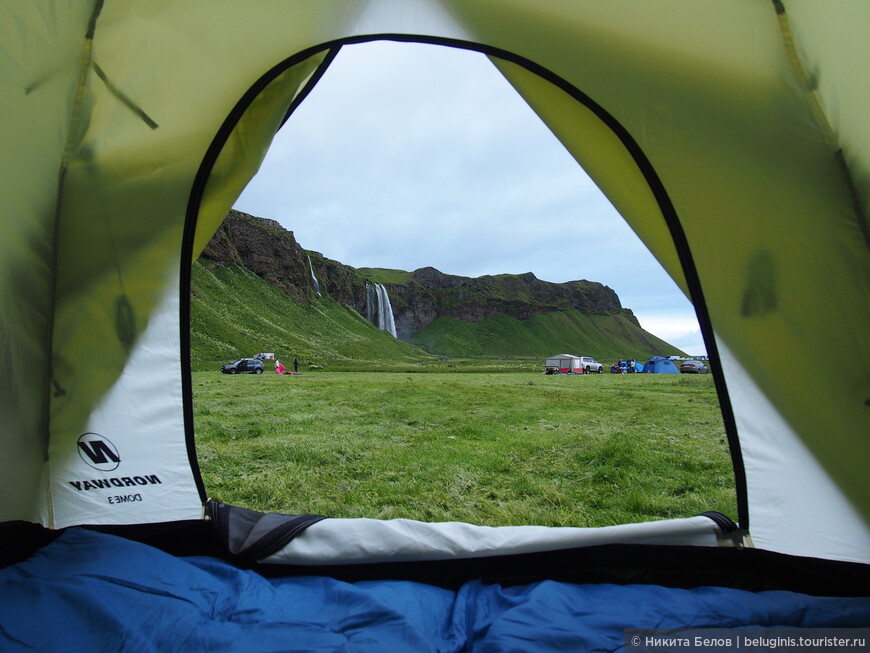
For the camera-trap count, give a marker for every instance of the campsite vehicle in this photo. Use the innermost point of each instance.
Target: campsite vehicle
(570, 364)
(693, 367)
(111, 187)
(244, 366)
(562, 364)
(590, 365)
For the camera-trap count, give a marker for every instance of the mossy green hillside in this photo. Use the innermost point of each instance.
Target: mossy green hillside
(385, 275)
(545, 334)
(234, 313)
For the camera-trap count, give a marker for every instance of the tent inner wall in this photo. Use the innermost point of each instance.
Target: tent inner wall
(130, 464)
(119, 141)
(40, 64)
(780, 468)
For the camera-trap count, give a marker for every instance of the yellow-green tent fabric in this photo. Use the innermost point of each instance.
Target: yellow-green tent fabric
(730, 134)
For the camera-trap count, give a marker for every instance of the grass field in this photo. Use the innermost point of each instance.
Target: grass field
(489, 448)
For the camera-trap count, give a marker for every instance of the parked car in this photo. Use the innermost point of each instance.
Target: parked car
(590, 365)
(244, 366)
(693, 367)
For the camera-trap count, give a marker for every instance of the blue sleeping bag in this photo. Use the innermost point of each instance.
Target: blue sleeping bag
(92, 592)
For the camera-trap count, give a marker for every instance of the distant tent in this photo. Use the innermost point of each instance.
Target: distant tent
(732, 137)
(564, 363)
(660, 365)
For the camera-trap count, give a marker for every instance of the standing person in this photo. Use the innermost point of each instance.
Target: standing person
(295, 366)
(279, 367)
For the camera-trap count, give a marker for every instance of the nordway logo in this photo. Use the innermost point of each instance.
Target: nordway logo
(116, 481)
(101, 454)
(98, 452)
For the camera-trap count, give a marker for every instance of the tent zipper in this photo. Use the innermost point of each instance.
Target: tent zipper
(730, 534)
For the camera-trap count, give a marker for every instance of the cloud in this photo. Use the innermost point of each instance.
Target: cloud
(681, 331)
(407, 156)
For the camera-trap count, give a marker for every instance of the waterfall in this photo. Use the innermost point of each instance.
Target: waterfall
(378, 306)
(314, 278)
(385, 311)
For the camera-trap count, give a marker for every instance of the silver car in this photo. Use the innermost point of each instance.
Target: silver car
(590, 365)
(693, 367)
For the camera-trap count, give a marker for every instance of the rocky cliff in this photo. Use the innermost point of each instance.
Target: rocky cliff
(265, 248)
(271, 252)
(430, 293)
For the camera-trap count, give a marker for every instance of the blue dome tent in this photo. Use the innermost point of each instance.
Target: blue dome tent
(660, 365)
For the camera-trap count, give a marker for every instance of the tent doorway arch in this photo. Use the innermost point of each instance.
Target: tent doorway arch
(506, 61)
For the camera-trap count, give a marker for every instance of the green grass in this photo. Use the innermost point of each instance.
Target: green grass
(385, 275)
(496, 449)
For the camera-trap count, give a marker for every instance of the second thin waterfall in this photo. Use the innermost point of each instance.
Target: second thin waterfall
(314, 281)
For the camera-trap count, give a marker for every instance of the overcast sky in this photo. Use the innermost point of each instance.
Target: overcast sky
(407, 155)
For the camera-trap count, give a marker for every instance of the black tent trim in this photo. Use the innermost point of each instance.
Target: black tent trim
(189, 233)
(671, 566)
(252, 535)
(312, 82)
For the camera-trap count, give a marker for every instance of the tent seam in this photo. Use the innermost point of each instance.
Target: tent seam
(819, 116)
(72, 138)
